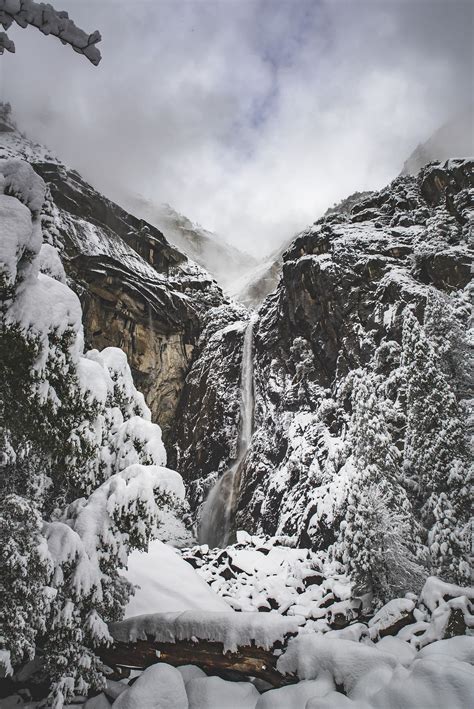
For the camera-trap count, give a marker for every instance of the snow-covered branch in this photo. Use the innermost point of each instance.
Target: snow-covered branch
(49, 21)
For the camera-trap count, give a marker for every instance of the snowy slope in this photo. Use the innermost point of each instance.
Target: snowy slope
(167, 584)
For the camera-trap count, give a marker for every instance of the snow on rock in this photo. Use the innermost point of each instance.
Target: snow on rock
(296, 696)
(114, 689)
(233, 630)
(403, 651)
(216, 693)
(189, 672)
(459, 649)
(99, 702)
(17, 236)
(427, 683)
(391, 614)
(268, 574)
(391, 611)
(159, 687)
(334, 700)
(259, 573)
(50, 263)
(309, 655)
(436, 592)
(166, 583)
(386, 677)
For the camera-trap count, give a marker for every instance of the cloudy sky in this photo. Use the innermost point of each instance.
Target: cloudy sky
(249, 116)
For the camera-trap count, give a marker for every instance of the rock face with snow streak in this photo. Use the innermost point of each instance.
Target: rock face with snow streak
(346, 283)
(137, 291)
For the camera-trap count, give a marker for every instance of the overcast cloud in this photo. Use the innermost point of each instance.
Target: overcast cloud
(249, 116)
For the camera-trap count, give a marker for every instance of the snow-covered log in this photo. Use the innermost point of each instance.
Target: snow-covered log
(44, 17)
(246, 643)
(248, 661)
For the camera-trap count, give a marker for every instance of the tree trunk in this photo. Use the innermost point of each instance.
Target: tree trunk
(249, 661)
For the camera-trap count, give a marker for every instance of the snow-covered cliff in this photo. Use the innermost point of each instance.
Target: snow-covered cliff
(348, 288)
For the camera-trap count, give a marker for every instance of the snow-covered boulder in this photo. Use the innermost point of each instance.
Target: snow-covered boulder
(159, 687)
(216, 693)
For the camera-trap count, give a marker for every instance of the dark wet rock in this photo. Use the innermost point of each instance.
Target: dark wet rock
(456, 624)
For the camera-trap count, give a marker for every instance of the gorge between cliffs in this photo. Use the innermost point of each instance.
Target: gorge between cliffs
(266, 490)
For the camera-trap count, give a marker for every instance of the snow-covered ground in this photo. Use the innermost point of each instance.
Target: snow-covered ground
(396, 659)
(358, 666)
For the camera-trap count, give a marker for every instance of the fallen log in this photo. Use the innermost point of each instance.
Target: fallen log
(247, 644)
(248, 661)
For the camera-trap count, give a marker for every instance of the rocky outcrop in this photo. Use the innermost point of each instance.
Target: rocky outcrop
(138, 292)
(346, 282)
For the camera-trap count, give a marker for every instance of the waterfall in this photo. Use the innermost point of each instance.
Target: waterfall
(219, 508)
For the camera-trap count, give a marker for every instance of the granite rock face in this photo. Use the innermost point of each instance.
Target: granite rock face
(208, 417)
(346, 282)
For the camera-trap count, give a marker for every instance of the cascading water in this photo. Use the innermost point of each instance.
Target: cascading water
(219, 508)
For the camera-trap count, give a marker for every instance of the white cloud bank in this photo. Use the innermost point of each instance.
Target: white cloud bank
(249, 116)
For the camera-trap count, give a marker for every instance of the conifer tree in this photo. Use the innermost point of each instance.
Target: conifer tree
(435, 457)
(378, 534)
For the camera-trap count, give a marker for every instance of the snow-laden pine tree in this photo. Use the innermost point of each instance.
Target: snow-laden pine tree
(435, 457)
(82, 478)
(378, 539)
(48, 20)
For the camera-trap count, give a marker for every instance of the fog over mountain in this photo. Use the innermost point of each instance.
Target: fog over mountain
(250, 118)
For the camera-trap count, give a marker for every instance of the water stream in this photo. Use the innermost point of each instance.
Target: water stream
(218, 511)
